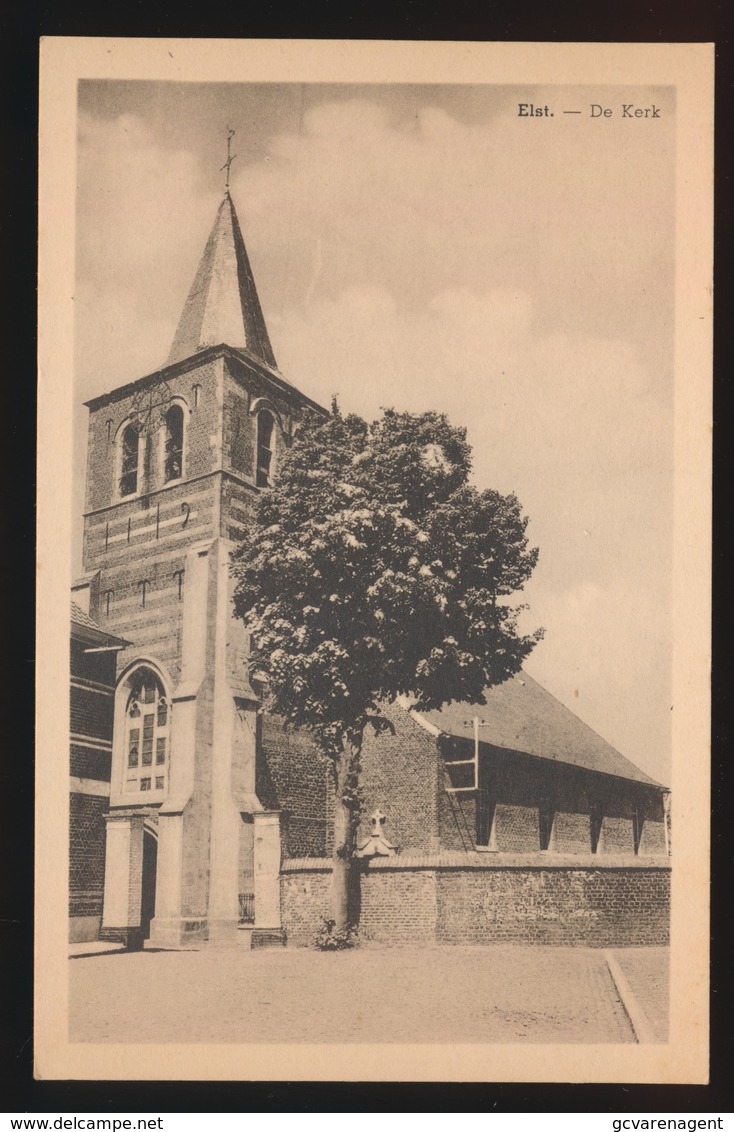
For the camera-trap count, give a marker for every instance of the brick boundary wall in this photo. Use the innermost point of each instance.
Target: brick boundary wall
(467, 899)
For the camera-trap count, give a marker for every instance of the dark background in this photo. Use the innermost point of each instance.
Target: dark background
(20, 29)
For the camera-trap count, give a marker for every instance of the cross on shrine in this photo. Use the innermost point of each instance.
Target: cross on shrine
(377, 844)
(230, 156)
(377, 820)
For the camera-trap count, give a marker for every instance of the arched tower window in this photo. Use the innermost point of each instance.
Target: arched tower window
(173, 465)
(147, 731)
(129, 461)
(265, 448)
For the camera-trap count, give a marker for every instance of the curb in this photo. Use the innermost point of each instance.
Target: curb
(641, 1027)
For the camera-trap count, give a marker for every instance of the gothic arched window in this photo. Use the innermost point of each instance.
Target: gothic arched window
(173, 465)
(129, 460)
(147, 730)
(265, 448)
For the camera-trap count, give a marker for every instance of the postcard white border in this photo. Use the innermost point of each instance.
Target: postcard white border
(688, 67)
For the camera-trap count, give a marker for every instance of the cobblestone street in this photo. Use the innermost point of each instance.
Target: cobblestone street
(448, 995)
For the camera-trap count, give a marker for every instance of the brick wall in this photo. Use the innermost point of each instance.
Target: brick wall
(86, 762)
(98, 667)
(400, 775)
(435, 899)
(144, 538)
(404, 774)
(86, 854)
(457, 820)
(571, 833)
(91, 713)
(156, 625)
(163, 522)
(236, 501)
(93, 676)
(292, 776)
(243, 386)
(598, 907)
(202, 427)
(398, 906)
(617, 835)
(652, 842)
(304, 901)
(238, 437)
(517, 828)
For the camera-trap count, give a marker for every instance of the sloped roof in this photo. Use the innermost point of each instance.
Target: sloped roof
(222, 306)
(520, 715)
(87, 627)
(79, 617)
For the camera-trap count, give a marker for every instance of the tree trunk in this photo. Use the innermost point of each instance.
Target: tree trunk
(346, 820)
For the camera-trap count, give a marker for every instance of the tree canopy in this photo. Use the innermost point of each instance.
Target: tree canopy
(373, 568)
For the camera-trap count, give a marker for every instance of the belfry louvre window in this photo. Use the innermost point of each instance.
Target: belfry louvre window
(129, 462)
(265, 448)
(147, 728)
(173, 468)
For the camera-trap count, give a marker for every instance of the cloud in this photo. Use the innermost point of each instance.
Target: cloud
(143, 223)
(559, 412)
(427, 207)
(419, 204)
(363, 344)
(607, 654)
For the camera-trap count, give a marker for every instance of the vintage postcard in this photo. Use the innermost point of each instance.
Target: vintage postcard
(374, 559)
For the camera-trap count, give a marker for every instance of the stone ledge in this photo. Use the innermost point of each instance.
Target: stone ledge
(487, 862)
(306, 865)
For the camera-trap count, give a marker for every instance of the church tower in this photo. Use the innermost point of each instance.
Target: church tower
(174, 462)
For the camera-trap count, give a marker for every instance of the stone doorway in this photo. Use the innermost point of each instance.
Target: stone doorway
(150, 867)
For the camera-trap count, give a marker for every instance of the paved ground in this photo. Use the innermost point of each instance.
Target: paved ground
(96, 947)
(451, 994)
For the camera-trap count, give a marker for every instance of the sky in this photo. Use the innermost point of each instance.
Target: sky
(425, 247)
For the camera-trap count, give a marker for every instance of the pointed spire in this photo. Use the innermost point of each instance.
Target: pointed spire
(222, 306)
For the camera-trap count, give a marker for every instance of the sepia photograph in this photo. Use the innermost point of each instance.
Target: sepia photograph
(384, 451)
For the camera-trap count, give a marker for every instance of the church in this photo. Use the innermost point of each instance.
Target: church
(195, 818)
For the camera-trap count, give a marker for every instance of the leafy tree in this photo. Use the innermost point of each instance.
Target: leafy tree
(373, 569)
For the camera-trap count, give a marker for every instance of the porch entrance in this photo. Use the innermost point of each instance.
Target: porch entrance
(147, 898)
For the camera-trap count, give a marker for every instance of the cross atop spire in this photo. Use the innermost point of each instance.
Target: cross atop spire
(230, 156)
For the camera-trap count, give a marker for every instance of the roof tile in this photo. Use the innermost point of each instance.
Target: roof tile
(520, 715)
